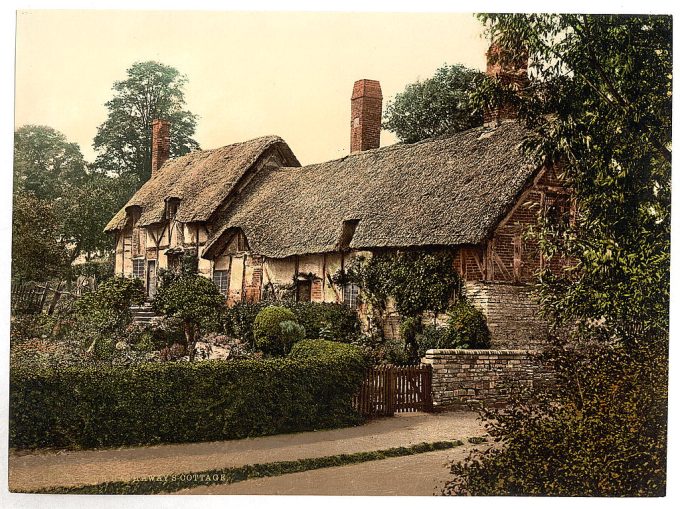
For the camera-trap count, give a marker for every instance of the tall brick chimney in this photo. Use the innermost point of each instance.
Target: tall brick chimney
(160, 144)
(511, 70)
(366, 115)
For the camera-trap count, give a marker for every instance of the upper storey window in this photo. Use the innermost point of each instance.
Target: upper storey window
(171, 206)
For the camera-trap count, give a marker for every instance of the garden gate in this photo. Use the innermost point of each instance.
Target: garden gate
(389, 389)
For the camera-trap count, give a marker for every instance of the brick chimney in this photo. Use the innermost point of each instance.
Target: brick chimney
(366, 115)
(160, 144)
(511, 70)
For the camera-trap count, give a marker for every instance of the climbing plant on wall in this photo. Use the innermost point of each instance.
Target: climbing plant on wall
(418, 283)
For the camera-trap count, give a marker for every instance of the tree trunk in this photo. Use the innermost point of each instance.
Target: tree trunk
(190, 338)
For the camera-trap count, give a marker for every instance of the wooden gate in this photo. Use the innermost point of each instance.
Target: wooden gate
(389, 389)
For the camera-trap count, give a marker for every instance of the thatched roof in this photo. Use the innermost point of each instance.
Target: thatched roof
(201, 180)
(446, 191)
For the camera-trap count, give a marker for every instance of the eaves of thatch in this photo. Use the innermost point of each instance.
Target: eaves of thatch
(438, 192)
(201, 180)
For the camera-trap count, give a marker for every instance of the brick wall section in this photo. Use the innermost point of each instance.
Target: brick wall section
(366, 115)
(464, 378)
(512, 314)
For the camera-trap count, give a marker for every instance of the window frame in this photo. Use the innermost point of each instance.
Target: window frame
(353, 301)
(224, 278)
(136, 263)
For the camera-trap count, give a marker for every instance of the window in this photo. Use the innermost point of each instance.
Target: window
(221, 280)
(350, 294)
(171, 206)
(138, 268)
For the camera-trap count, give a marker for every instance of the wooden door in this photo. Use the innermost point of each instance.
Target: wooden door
(151, 279)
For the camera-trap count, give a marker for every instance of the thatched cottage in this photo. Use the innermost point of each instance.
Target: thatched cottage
(262, 224)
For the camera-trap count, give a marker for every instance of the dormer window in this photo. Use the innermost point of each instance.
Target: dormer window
(171, 206)
(134, 212)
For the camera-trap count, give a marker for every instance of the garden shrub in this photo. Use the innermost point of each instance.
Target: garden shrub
(316, 348)
(467, 327)
(267, 329)
(291, 333)
(320, 319)
(337, 322)
(101, 315)
(182, 402)
(601, 432)
(239, 320)
(193, 300)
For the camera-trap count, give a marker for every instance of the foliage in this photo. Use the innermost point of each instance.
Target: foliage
(267, 329)
(602, 111)
(437, 106)
(181, 402)
(467, 327)
(601, 434)
(239, 320)
(320, 319)
(193, 299)
(291, 333)
(38, 252)
(102, 314)
(382, 350)
(98, 269)
(53, 172)
(335, 321)
(606, 82)
(418, 282)
(151, 91)
(44, 161)
(315, 348)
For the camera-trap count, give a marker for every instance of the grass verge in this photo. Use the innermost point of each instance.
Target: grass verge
(175, 482)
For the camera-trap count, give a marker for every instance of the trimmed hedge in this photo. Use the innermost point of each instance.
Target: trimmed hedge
(321, 348)
(182, 402)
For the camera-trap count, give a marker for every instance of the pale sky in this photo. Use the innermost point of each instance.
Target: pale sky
(250, 74)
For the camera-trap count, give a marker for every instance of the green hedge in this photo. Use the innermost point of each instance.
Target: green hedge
(320, 348)
(181, 402)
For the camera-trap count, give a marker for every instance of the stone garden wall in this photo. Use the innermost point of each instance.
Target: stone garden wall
(461, 378)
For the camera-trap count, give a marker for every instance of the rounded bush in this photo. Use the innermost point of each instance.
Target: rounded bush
(467, 327)
(267, 329)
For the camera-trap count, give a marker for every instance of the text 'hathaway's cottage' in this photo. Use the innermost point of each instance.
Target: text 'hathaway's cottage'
(259, 221)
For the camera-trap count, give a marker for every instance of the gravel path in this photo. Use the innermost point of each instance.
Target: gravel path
(419, 475)
(73, 468)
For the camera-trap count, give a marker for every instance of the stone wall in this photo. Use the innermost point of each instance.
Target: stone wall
(461, 378)
(512, 314)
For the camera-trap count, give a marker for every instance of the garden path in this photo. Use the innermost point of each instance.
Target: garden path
(417, 475)
(30, 471)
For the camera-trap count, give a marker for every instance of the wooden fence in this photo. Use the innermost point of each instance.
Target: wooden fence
(389, 389)
(31, 297)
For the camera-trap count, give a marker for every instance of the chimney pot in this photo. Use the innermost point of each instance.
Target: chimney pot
(160, 144)
(366, 115)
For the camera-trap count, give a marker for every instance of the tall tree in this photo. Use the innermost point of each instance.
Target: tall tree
(51, 175)
(152, 90)
(601, 108)
(436, 106)
(44, 160)
(38, 251)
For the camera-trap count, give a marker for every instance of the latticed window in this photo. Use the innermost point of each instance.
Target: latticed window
(138, 268)
(221, 280)
(350, 296)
